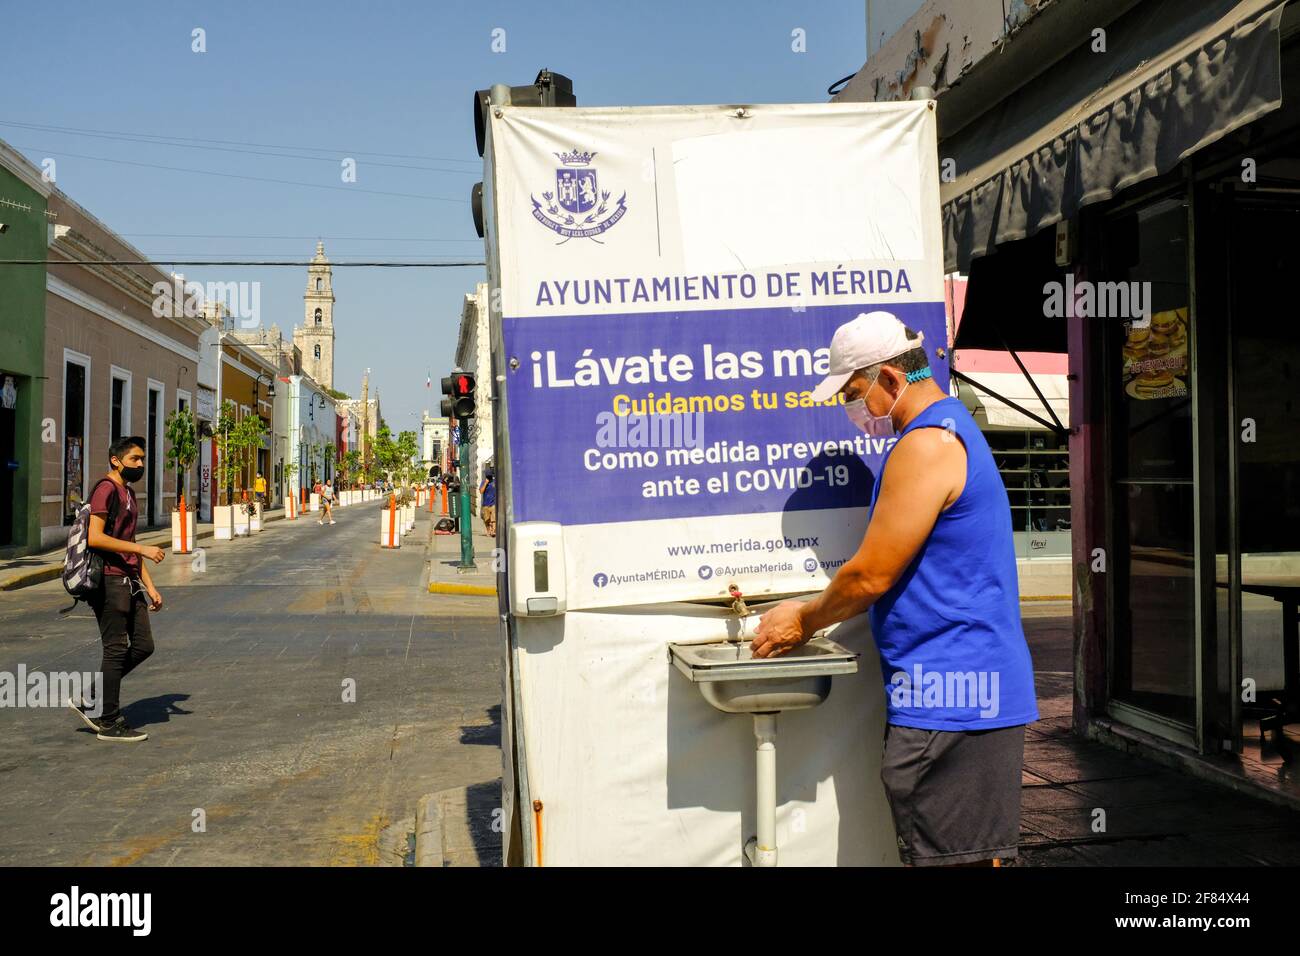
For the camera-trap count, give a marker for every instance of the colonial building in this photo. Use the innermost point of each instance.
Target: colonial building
(315, 337)
(366, 411)
(23, 196)
(473, 354)
(435, 443)
(247, 377)
(120, 355)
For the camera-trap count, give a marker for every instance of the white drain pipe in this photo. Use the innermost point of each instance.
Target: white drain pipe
(761, 850)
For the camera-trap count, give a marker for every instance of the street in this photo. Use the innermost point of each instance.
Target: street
(243, 704)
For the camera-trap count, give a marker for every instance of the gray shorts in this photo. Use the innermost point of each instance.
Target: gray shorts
(954, 795)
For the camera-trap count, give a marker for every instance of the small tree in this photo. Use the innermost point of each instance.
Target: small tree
(182, 437)
(352, 465)
(290, 473)
(407, 448)
(247, 438)
(314, 450)
(227, 460)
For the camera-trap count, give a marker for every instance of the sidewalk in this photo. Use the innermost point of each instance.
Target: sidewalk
(23, 572)
(1082, 803)
(445, 574)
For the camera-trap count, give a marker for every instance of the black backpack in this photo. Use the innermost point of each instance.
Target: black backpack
(83, 566)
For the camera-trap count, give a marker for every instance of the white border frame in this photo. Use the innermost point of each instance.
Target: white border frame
(75, 358)
(115, 374)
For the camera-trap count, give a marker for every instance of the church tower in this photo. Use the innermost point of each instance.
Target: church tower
(315, 338)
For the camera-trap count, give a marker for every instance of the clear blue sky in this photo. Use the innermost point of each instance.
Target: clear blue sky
(360, 78)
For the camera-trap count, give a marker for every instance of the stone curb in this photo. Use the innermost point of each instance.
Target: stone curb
(49, 572)
(428, 831)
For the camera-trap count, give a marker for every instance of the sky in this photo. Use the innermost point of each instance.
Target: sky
(236, 152)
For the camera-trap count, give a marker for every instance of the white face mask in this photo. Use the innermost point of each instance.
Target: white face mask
(877, 426)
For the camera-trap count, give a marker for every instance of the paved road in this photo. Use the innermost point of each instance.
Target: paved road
(243, 704)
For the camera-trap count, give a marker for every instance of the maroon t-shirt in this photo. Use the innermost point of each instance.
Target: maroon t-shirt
(122, 526)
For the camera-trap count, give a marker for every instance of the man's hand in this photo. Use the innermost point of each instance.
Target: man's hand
(149, 552)
(780, 630)
(155, 599)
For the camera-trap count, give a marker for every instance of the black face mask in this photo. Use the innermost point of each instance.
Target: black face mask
(132, 475)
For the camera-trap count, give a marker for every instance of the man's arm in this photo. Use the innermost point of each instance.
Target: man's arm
(97, 539)
(926, 473)
(155, 599)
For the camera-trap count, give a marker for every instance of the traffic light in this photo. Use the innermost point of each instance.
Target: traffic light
(459, 391)
(549, 89)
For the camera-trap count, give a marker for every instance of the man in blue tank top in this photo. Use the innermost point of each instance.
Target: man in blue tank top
(937, 572)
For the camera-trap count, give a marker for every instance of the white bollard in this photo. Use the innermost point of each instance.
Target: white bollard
(223, 522)
(390, 527)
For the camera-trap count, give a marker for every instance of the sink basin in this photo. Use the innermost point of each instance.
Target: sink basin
(733, 680)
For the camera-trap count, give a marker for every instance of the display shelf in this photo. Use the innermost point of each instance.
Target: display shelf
(1035, 468)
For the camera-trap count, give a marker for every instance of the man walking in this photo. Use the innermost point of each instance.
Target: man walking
(937, 570)
(122, 605)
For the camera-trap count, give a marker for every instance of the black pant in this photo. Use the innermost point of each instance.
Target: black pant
(124, 631)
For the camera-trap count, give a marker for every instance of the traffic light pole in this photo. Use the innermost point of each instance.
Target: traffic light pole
(466, 528)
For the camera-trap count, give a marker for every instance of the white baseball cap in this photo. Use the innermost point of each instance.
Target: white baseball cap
(871, 338)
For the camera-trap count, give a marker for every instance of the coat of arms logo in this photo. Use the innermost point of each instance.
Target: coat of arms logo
(577, 208)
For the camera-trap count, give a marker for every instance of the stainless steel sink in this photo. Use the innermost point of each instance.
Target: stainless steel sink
(733, 680)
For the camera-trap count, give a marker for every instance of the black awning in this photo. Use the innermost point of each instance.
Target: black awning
(1175, 77)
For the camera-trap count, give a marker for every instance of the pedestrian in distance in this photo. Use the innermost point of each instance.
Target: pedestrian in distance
(327, 502)
(127, 595)
(259, 489)
(488, 500)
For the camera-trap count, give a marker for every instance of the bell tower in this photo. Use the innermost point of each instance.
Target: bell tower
(315, 337)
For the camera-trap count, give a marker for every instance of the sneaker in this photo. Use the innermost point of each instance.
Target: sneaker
(331, 520)
(321, 521)
(78, 707)
(118, 730)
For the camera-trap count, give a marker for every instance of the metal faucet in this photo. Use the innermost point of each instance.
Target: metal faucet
(737, 602)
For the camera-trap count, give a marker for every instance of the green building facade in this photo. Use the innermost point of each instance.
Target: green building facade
(23, 229)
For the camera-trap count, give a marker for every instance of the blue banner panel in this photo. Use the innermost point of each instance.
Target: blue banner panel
(641, 416)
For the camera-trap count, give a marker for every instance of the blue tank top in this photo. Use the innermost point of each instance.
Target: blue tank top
(952, 650)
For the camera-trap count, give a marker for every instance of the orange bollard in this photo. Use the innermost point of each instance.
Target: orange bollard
(184, 546)
(444, 499)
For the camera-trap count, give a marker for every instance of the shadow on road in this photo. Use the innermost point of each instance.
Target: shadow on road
(155, 710)
(486, 734)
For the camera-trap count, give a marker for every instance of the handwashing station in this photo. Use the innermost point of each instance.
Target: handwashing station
(665, 284)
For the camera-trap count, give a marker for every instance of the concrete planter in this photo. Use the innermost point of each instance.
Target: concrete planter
(223, 522)
(290, 508)
(315, 502)
(241, 521)
(255, 519)
(176, 532)
(390, 528)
